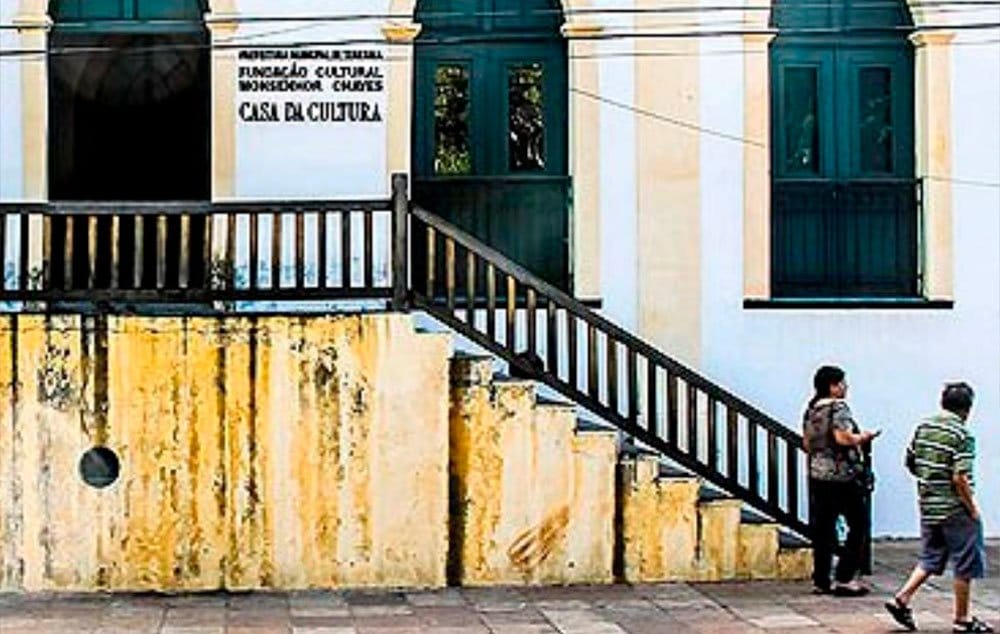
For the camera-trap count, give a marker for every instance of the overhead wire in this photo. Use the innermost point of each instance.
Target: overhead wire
(243, 42)
(658, 116)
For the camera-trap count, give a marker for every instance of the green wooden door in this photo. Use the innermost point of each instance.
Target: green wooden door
(490, 133)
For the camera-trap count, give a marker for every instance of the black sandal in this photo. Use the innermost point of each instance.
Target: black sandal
(903, 614)
(972, 625)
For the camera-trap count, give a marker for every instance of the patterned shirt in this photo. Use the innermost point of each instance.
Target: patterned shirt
(827, 459)
(942, 447)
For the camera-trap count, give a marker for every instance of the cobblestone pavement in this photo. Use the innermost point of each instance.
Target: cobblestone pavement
(716, 608)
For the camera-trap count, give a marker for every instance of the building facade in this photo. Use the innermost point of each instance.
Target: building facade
(756, 189)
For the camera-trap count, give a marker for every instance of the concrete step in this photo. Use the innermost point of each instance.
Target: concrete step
(749, 516)
(794, 556)
(675, 526)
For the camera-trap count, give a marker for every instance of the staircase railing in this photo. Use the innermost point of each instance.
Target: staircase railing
(545, 334)
(109, 254)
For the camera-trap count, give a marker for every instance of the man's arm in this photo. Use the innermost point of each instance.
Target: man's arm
(964, 491)
(961, 470)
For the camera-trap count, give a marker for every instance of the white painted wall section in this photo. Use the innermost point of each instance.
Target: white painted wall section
(619, 225)
(11, 170)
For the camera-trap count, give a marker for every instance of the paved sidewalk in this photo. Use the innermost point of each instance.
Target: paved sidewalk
(668, 608)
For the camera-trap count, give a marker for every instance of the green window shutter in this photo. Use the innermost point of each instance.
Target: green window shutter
(844, 198)
(127, 15)
(539, 18)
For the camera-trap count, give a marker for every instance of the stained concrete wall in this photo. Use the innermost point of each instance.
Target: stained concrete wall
(255, 453)
(532, 499)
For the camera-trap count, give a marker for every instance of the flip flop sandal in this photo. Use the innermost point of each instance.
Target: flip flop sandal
(903, 615)
(848, 591)
(972, 625)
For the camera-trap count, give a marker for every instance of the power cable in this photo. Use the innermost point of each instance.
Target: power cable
(736, 138)
(492, 39)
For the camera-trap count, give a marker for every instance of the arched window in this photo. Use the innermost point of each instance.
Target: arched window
(844, 199)
(89, 12)
(129, 119)
(129, 100)
(539, 19)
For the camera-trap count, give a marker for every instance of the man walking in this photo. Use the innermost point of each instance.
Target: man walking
(943, 455)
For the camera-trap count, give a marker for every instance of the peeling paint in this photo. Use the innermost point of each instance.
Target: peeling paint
(321, 452)
(256, 453)
(531, 502)
(532, 547)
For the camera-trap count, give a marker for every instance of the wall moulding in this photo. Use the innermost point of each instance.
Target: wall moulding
(401, 32)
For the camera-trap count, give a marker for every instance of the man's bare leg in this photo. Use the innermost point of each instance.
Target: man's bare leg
(917, 579)
(962, 587)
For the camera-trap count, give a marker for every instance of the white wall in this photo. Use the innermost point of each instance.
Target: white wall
(618, 204)
(11, 172)
(313, 160)
(896, 360)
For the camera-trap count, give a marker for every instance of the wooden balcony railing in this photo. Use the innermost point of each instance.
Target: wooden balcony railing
(174, 252)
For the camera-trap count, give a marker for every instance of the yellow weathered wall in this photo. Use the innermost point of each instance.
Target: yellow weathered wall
(757, 557)
(533, 501)
(659, 523)
(316, 452)
(256, 453)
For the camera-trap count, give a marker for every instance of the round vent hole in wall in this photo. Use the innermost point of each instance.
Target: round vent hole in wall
(99, 467)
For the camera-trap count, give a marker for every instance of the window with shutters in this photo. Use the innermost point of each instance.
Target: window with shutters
(845, 203)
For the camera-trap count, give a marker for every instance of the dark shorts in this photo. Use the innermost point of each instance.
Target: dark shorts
(959, 538)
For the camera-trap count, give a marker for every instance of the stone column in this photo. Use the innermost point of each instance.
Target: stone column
(33, 29)
(400, 35)
(933, 149)
(756, 167)
(585, 156)
(222, 28)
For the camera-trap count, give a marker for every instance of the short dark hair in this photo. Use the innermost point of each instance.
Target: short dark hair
(957, 397)
(825, 377)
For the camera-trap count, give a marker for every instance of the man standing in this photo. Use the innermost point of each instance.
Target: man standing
(943, 455)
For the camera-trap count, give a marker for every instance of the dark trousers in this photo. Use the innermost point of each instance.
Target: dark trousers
(827, 501)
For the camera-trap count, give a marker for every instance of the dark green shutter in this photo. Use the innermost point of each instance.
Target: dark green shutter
(490, 126)
(127, 15)
(844, 199)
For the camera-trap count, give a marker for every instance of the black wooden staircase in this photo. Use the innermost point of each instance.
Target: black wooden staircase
(122, 256)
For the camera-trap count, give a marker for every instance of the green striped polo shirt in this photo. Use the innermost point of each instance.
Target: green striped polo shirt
(942, 446)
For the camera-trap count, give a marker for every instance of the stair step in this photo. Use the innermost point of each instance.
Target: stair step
(670, 472)
(710, 494)
(790, 541)
(748, 516)
(632, 450)
(463, 354)
(585, 426)
(553, 402)
(501, 377)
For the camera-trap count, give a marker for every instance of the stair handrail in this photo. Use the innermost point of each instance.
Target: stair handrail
(581, 311)
(787, 513)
